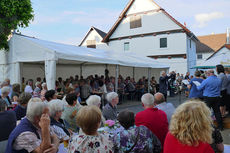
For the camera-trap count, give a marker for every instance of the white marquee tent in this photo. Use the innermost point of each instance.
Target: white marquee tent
(24, 49)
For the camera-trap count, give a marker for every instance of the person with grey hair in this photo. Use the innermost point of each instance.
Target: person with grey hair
(4, 95)
(7, 124)
(28, 87)
(56, 108)
(33, 133)
(160, 103)
(153, 118)
(110, 109)
(37, 90)
(96, 101)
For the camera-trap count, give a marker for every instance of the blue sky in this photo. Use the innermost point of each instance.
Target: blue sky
(67, 21)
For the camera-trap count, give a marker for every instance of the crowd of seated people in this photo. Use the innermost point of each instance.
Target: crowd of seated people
(44, 127)
(40, 120)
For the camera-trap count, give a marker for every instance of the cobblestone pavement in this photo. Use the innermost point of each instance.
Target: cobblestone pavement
(136, 107)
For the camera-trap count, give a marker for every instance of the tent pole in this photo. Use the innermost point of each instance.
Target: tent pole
(149, 80)
(50, 73)
(116, 78)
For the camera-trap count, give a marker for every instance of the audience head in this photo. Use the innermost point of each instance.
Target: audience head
(89, 119)
(8, 81)
(50, 94)
(191, 123)
(3, 84)
(219, 69)
(94, 100)
(163, 73)
(24, 98)
(3, 106)
(16, 87)
(38, 84)
(44, 86)
(159, 98)
(227, 70)
(35, 109)
(126, 118)
(71, 99)
(39, 79)
(56, 107)
(210, 72)
(197, 74)
(112, 98)
(5, 91)
(30, 82)
(147, 100)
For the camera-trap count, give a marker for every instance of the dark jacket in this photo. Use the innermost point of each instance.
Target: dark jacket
(7, 124)
(25, 125)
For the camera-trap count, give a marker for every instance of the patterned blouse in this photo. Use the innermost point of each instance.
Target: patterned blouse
(90, 144)
(143, 140)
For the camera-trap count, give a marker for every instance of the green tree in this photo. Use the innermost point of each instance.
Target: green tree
(13, 14)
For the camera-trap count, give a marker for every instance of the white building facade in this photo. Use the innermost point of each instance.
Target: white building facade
(145, 28)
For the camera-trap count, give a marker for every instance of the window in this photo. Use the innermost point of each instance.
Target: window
(190, 43)
(163, 42)
(126, 46)
(91, 43)
(135, 22)
(199, 56)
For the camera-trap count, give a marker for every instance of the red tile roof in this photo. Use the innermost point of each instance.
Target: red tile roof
(214, 41)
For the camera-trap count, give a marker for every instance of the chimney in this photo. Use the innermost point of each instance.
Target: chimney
(228, 41)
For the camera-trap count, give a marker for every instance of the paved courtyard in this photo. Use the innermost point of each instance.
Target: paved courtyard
(136, 107)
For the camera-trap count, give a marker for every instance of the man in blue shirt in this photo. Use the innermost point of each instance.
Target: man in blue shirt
(194, 93)
(211, 91)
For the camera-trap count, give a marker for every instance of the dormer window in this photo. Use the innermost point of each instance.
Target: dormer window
(135, 22)
(91, 43)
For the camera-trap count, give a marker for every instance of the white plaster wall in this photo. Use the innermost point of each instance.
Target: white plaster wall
(142, 5)
(179, 65)
(150, 45)
(151, 22)
(93, 35)
(223, 50)
(205, 56)
(191, 55)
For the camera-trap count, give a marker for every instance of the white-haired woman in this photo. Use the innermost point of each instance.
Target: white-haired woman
(4, 95)
(43, 92)
(95, 100)
(56, 107)
(110, 109)
(37, 90)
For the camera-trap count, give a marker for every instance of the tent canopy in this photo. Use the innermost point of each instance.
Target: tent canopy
(28, 49)
(41, 50)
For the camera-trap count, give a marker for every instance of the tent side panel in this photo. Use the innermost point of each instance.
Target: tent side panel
(65, 71)
(32, 71)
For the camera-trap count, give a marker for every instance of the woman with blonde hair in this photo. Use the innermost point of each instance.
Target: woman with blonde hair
(89, 120)
(190, 129)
